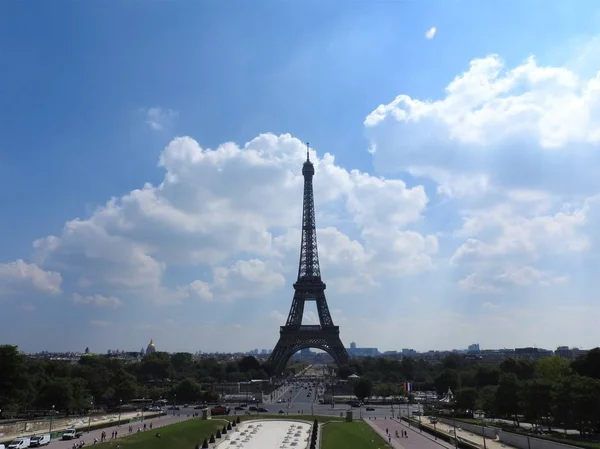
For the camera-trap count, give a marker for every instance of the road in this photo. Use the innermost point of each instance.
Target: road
(298, 399)
(88, 438)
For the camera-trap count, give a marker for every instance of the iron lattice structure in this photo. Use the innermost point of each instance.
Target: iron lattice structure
(308, 287)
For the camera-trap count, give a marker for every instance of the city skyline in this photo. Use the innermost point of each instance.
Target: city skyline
(154, 184)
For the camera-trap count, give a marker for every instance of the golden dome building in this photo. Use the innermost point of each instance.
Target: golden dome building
(151, 349)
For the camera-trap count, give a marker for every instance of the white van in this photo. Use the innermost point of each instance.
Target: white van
(19, 443)
(40, 440)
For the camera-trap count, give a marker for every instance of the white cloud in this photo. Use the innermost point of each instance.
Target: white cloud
(158, 118)
(20, 277)
(529, 127)
(515, 151)
(430, 34)
(97, 300)
(244, 231)
(246, 279)
(508, 156)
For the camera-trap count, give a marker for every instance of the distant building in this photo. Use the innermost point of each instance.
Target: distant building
(473, 348)
(362, 352)
(564, 352)
(151, 349)
(532, 353)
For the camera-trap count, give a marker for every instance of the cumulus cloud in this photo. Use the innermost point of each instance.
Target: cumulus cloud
(430, 34)
(97, 300)
(231, 209)
(515, 150)
(528, 127)
(21, 277)
(508, 156)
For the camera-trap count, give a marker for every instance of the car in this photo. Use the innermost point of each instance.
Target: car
(239, 407)
(19, 443)
(40, 440)
(281, 412)
(71, 434)
(252, 409)
(370, 409)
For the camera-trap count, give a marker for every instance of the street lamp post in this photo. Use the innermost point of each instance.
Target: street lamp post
(120, 407)
(143, 407)
(51, 419)
(483, 433)
(90, 417)
(455, 435)
(420, 426)
(174, 402)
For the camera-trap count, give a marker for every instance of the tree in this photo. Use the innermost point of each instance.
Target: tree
(507, 396)
(586, 402)
(125, 387)
(552, 368)
(487, 398)
(188, 390)
(57, 393)
(466, 398)
(523, 369)
(382, 390)
(12, 380)
(363, 388)
(453, 362)
(156, 366)
(182, 362)
(537, 400)
(407, 368)
(248, 363)
(588, 364)
(447, 379)
(486, 375)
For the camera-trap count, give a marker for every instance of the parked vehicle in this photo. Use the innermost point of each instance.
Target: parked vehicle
(40, 440)
(19, 443)
(71, 434)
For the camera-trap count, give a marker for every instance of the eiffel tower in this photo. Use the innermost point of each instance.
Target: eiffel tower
(309, 287)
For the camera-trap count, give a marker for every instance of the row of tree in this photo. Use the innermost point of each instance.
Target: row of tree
(28, 384)
(550, 391)
(556, 390)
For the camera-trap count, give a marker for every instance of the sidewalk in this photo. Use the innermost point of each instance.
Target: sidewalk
(472, 437)
(415, 439)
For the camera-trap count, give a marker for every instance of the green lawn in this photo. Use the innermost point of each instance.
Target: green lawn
(351, 435)
(183, 435)
(187, 434)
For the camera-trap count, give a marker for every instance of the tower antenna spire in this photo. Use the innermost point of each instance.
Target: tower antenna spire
(307, 148)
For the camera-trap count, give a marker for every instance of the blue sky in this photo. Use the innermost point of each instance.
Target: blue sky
(483, 228)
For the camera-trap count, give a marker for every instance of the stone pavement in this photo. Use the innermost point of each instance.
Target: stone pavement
(415, 440)
(472, 437)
